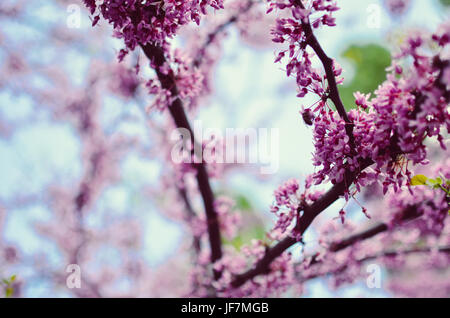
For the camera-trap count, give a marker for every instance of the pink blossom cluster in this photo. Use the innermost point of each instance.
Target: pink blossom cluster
(163, 97)
(292, 32)
(391, 128)
(125, 82)
(411, 235)
(431, 204)
(154, 23)
(278, 279)
(397, 7)
(189, 81)
(289, 200)
(317, 12)
(229, 219)
(138, 22)
(407, 250)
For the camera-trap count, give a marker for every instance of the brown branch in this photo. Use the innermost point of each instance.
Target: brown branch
(312, 211)
(156, 54)
(327, 63)
(309, 214)
(391, 253)
(442, 65)
(408, 214)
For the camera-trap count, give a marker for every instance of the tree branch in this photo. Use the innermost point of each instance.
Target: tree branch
(155, 54)
(409, 214)
(327, 63)
(312, 211)
(392, 253)
(309, 215)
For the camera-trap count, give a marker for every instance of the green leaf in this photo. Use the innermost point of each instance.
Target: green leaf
(435, 183)
(13, 278)
(255, 232)
(419, 180)
(370, 63)
(242, 203)
(9, 292)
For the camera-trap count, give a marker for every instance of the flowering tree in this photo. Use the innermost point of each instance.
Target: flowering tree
(389, 149)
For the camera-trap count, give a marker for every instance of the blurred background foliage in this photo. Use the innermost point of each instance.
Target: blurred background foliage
(370, 62)
(254, 227)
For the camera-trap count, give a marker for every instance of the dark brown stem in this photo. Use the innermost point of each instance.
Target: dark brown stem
(327, 63)
(156, 55)
(309, 214)
(417, 250)
(312, 211)
(375, 230)
(408, 214)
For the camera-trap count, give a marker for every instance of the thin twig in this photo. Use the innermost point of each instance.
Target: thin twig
(219, 29)
(327, 62)
(391, 253)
